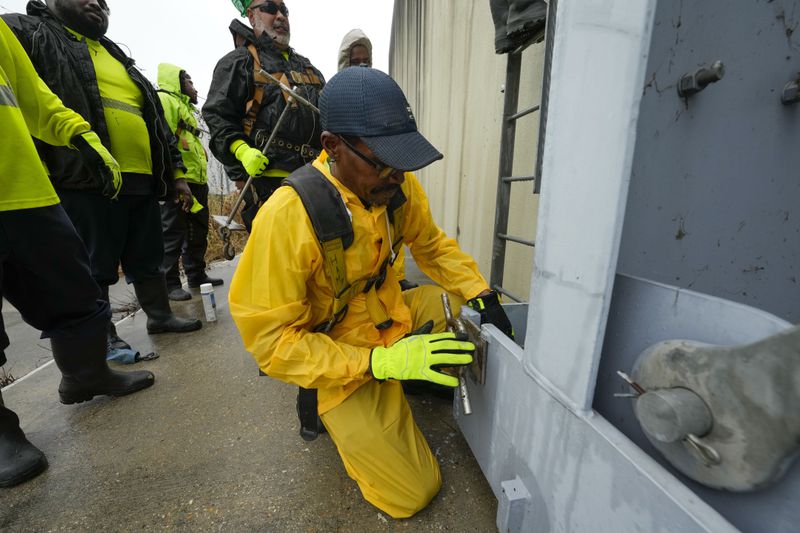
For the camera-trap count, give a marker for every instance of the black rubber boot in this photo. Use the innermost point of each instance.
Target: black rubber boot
(19, 459)
(406, 285)
(85, 372)
(114, 341)
(177, 294)
(194, 283)
(152, 295)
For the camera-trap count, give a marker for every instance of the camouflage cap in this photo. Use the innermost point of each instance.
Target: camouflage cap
(242, 5)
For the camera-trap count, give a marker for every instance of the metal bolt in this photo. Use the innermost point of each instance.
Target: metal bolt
(791, 92)
(690, 84)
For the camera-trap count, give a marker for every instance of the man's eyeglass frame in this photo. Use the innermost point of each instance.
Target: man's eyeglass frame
(272, 8)
(384, 172)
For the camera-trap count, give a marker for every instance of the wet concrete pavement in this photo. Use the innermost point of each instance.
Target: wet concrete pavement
(211, 446)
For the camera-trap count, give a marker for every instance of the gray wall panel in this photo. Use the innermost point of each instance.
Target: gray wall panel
(715, 188)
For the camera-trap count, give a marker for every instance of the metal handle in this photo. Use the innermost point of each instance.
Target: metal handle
(456, 326)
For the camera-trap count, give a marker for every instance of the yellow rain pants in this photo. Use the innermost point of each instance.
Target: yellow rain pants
(380, 445)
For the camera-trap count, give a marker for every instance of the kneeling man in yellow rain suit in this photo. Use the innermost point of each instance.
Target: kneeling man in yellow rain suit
(317, 306)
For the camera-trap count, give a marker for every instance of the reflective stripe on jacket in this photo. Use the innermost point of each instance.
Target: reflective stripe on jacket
(27, 107)
(180, 112)
(280, 291)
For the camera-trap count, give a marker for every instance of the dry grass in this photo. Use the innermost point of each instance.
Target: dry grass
(222, 205)
(6, 378)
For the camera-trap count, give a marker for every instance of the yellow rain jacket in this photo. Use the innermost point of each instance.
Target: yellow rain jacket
(182, 120)
(28, 107)
(280, 291)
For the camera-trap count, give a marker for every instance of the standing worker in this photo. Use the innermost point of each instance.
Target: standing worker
(318, 306)
(44, 267)
(66, 42)
(355, 50)
(243, 106)
(185, 233)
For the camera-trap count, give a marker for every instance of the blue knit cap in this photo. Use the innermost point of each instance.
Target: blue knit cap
(366, 103)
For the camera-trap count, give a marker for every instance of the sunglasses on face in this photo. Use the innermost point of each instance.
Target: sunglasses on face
(384, 172)
(271, 8)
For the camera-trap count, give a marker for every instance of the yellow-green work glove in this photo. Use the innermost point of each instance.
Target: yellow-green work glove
(254, 162)
(196, 206)
(421, 357)
(100, 160)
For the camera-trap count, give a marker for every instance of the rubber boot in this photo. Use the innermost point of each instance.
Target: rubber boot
(177, 294)
(152, 295)
(19, 459)
(195, 283)
(407, 285)
(85, 372)
(114, 341)
(175, 290)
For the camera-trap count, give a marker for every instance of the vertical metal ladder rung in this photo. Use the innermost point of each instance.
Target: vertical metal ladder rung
(518, 240)
(522, 113)
(504, 292)
(514, 179)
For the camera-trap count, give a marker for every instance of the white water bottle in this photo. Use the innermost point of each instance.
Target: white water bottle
(209, 302)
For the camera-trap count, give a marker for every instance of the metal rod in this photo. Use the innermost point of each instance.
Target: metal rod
(457, 326)
(523, 113)
(635, 386)
(272, 135)
(513, 179)
(504, 292)
(505, 237)
(288, 90)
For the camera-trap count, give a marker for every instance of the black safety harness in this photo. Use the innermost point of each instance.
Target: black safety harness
(334, 231)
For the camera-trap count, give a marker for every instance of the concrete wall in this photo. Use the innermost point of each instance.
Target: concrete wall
(442, 55)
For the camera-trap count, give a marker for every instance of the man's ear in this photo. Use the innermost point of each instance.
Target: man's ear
(251, 17)
(330, 143)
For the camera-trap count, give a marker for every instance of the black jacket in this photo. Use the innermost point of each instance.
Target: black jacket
(233, 86)
(63, 62)
(239, 29)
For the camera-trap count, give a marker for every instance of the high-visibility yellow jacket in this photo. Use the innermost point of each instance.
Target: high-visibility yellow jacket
(28, 107)
(180, 115)
(280, 291)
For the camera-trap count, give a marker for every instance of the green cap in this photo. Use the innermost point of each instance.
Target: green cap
(242, 5)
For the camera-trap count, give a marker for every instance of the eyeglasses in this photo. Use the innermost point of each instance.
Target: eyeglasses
(271, 8)
(384, 172)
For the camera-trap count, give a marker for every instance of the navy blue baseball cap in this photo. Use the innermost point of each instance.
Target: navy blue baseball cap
(366, 103)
